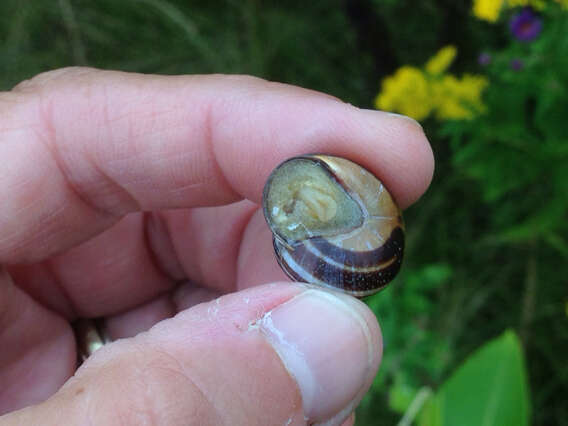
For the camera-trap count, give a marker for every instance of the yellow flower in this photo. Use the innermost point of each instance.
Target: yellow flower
(458, 99)
(417, 93)
(441, 60)
(406, 92)
(487, 10)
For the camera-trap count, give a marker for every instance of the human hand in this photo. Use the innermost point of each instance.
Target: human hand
(121, 199)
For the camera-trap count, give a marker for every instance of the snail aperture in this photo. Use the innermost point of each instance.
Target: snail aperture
(334, 224)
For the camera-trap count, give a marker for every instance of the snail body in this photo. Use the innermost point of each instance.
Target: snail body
(334, 224)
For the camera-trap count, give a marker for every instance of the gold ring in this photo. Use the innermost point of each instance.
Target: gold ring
(91, 335)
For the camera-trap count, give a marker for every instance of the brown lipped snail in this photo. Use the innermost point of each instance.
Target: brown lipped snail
(334, 224)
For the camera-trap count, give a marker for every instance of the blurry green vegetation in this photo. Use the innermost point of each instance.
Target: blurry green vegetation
(487, 245)
(488, 389)
(300, 43)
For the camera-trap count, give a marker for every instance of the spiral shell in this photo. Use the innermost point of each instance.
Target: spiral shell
(334, 224)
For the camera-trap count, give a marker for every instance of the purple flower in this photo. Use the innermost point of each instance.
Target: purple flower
(516, 64)
(526, 25)
(484, 59)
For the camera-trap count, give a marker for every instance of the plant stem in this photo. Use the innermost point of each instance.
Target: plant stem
(79, 56)
(415, 406)
(529, 296)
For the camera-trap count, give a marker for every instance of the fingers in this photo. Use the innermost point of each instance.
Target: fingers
(277, 354)
(84, 147)
(107, 274)
(256, 262)
(142, 318)
(37, 349)
(140, 258)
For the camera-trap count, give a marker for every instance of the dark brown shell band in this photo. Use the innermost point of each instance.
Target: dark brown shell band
(369, 271)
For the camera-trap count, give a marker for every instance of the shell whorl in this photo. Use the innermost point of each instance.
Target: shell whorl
(334, 224)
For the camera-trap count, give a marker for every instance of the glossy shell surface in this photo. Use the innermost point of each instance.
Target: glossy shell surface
(334, 224)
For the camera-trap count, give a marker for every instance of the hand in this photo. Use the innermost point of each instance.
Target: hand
(135, 198)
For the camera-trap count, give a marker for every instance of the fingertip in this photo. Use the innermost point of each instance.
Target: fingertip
(330, 343)
(350, 420)
(421, 159)
(291, 122)
(398, 153)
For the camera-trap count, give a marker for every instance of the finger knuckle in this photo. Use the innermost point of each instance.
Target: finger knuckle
(48, 78)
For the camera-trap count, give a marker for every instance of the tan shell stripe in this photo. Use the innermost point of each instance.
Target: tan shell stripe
(303, 265)
(392, 247)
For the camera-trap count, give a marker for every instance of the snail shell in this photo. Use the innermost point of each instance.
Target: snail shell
(334, 224)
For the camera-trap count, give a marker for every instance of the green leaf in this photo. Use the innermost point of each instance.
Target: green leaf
(557, 242)
(552, 216)
(489, 389)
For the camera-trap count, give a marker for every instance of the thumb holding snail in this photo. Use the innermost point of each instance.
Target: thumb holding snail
(120, 203)
(274, 354)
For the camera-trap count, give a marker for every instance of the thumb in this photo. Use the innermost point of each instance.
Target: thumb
(276, 354)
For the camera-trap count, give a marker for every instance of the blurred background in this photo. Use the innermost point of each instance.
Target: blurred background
(476, 324)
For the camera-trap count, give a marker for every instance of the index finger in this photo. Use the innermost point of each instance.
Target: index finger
(82, 148)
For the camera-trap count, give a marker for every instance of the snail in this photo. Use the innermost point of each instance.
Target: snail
(334, 224)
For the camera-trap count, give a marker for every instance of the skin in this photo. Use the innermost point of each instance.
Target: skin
(135, 197)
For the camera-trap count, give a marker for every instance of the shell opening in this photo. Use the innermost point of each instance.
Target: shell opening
(304, 200)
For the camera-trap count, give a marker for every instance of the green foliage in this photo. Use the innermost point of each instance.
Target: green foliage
(413, 350)
(518, 151)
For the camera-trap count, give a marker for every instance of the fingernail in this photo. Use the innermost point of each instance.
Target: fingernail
(394, 115)
(329, 347)
(405, 117)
